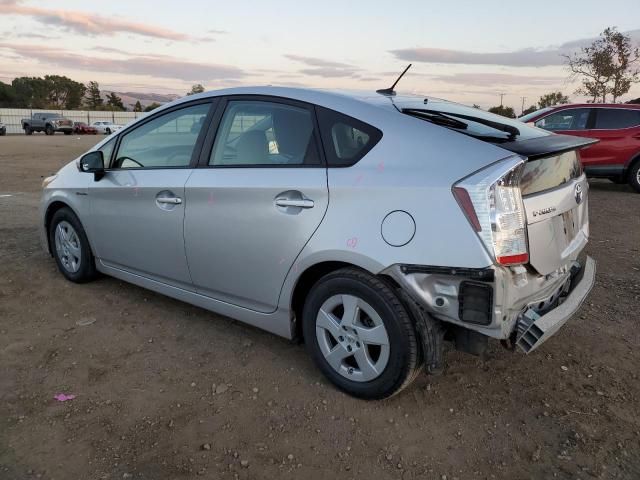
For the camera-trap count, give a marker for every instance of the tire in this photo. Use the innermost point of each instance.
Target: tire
(28, 131)
(107, 131)
(634, 176)
(618, 180)
(73, 255)
(67, 132)
(48, 130)
(3, 133)
(374, 370)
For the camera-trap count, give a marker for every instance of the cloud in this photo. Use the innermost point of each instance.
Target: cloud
(88, 23)
(319, 67)
(317, 62)
(151, 65)
(528, 57)
(499, 79)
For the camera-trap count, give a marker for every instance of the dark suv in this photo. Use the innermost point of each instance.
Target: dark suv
(617, 126)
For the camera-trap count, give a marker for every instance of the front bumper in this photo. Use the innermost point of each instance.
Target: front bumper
(534, 329)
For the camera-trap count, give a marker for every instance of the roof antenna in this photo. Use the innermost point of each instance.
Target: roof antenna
(390, 90)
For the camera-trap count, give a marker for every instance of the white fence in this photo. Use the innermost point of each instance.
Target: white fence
(11, 116)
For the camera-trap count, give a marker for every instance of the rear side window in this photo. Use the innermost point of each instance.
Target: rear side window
(572, 119)
(614, 118)
(346, 140)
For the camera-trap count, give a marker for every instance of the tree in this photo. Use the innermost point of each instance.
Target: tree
(137, 107)
(197, 88)
(606, 66)
(63, 93)
(7, 96)
(93, 99)
(504, 111)
(551, 99)
(529, 110)
(114, 102)
(153, 106)
(30, 92)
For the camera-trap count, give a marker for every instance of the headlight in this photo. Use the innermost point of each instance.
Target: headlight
(48, 180)
(492, 201)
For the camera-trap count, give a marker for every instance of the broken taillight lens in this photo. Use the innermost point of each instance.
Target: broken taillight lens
(492, 201)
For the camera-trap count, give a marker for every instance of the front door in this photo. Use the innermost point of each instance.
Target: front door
(255, 202)
(137, 208)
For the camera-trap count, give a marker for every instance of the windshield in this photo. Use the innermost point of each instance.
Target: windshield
(529, 116)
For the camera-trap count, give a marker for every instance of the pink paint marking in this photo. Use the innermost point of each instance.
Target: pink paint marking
(61, 397)
(359, 179)
(210, 201)
(352, 242)
(135, 191)
(380, 167)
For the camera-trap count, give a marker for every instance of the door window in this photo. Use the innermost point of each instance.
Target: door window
(107, 150)
(167, 141)
(615, 118)
(573, 119)
(265, 133)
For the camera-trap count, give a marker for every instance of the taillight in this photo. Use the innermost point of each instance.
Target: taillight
(492, 201)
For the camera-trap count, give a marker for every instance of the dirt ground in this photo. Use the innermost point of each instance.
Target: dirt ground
(165, 390)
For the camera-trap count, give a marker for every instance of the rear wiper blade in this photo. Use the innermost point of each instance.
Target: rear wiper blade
(512, 131)
(436, 117)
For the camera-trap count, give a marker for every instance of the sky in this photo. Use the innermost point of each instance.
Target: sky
(463, 50)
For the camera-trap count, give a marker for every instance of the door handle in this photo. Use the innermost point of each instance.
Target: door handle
(301, 203)
(171, 200)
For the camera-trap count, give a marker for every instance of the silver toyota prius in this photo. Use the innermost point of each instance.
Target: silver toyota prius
(373, 226)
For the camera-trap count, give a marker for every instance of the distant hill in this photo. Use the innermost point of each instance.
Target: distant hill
(130, 98)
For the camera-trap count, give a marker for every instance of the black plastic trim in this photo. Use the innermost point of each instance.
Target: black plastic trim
(486, 274)
(604, 170)
(464, 295)
(547, 146)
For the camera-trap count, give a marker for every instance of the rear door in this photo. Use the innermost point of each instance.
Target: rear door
(617, 129)
(572, 121)
(257, 197)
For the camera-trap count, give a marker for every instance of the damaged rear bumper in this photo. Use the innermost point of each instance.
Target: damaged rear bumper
(534, 329)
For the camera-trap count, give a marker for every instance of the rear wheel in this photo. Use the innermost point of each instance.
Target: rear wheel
(360, 335)
(70, 247)
(634, 176)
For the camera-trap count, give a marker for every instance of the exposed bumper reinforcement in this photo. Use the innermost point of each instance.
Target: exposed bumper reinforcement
(538, 328)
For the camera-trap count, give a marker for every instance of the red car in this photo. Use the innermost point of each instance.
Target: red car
(82, 128)
(617, 126)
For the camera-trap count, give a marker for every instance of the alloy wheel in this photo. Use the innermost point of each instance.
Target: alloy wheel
(68, 247)
(352, 338)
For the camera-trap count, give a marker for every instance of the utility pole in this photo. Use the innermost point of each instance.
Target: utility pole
(522, 109)
(501, 95)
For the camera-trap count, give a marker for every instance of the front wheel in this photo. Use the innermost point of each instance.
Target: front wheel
(67, 132)
(48, 130)
(28, 131)
(108, 131)
(70, 247)
(634, 176)
(360, 334)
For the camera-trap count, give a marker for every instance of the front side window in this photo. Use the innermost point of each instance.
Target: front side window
(167, 141)
(615, 118)
(107, 150)
(264, 133)
(573, 119)
(346, 140)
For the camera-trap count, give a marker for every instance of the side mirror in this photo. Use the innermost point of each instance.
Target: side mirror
(93, 162)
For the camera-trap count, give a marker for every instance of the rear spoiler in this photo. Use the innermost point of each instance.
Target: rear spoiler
(547, 146)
